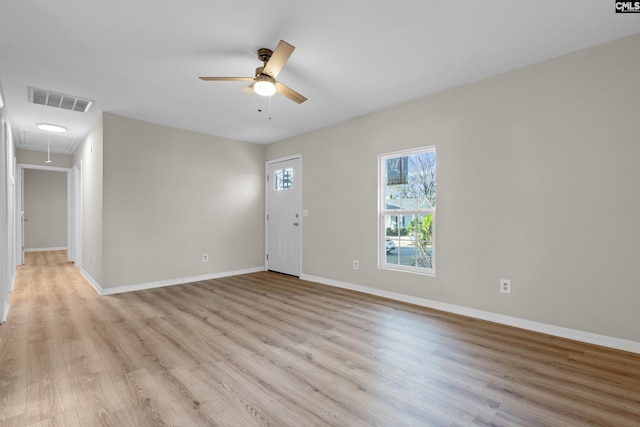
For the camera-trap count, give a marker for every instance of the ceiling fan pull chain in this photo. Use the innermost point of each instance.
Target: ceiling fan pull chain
(269, 108)
(48, 150)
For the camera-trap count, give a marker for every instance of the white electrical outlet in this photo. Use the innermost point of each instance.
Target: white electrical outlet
(355, 264)
(505, 286)
(205, 257)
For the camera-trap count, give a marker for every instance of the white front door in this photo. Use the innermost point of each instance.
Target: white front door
(283, 216)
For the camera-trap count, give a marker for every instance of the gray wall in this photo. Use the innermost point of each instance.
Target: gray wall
(537, 182)
(171, 195)
(45, 208)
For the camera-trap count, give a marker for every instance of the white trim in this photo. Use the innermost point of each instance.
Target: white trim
(70, 220)
(92, 282)
(383, 212)
(558, 331)
(74, 195)
(164, 283)
(45, 249)
(284, 159)
(19, 216)
(44, 168)
(20, 224)
(12, 280)
(6, 309)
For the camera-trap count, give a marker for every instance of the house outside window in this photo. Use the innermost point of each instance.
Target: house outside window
(407, 210)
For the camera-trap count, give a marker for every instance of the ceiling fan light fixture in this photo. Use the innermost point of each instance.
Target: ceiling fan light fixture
(51, 128)
(264, 86)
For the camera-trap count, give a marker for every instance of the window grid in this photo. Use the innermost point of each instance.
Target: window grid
(283, 179)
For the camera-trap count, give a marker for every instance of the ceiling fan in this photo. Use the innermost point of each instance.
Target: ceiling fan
(264, 83)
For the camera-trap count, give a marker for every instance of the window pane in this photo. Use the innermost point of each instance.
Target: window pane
(421, 229)
(396, 197)
(392, 239)
(410, 182)
(408, 240)
(424, 258)
(392, 225)
(283, 179)
(422, 177)
(407, 254)
(397, 171)
(392, 249)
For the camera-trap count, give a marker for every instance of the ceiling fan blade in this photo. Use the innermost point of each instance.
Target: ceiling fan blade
(248, 90)
(289, 93)
(227, 79)
(278, 58)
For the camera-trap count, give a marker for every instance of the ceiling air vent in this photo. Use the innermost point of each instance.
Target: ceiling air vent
(58, 100)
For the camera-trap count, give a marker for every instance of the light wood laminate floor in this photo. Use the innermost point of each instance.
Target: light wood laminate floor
(271, 350)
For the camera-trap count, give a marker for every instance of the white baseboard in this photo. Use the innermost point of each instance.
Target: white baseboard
(169, 282)
(61, 248)
(558, 331)
(5, 311)
(7, 306)
(12, 280)
(91, 281)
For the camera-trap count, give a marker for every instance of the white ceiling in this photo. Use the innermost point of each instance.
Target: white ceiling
(142, 58)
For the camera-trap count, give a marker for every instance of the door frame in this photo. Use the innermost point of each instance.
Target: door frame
(71, 243)
(74, 215)
(268, 163)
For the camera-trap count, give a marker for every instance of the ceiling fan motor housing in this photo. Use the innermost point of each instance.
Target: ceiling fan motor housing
(264, 55)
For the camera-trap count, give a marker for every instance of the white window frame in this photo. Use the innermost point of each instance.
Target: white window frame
(383, 212)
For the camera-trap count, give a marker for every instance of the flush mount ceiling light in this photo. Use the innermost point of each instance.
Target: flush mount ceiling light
(264, 85)
(51, 128)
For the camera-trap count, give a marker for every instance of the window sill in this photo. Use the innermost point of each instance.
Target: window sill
(431, 272)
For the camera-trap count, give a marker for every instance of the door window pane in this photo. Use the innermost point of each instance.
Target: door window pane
(283, 179)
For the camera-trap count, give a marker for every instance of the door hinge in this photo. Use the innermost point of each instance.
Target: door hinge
(267, 257)
(267, 217)
(267, 178)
